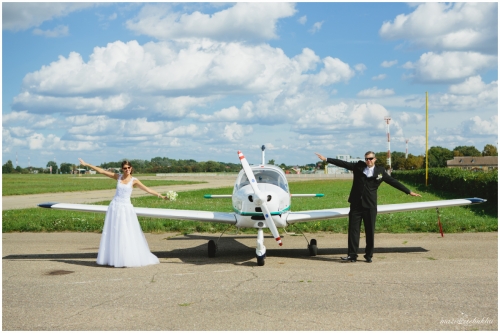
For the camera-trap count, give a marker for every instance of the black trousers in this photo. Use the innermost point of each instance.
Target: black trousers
(369, 215)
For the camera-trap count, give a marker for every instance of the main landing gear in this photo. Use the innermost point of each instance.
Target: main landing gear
(212, 248)
(260, 250)
(313, 248)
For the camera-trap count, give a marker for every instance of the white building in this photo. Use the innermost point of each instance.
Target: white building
(333, 169)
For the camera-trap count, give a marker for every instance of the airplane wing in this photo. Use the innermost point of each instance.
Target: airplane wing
(324, 214)
(178, 214)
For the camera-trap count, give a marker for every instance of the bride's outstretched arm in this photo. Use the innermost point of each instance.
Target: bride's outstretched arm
(102, 171)
(143, 187)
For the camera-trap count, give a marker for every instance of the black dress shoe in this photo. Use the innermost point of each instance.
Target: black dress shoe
(348, 259)
(368, 259)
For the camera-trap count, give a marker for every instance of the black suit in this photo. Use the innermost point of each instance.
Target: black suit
(363, 200)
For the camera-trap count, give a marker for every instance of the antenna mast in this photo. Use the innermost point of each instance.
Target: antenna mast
(387, 120)
(263, 154)
(406, 156)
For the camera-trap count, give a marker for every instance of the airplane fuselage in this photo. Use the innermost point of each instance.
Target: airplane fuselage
(273, 185)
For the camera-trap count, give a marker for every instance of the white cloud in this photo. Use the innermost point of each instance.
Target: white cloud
(20, 131)
(316, 27)
(243, 21)
(341, 117)
(9, 142)
(130, 77)
(59, 31)
(231, 114)
(484, 100)
(379, 77)
(39, 141)
(409, 118)
(18, 16)
(175, 143)
(408, 65)
(360, 68)
(334, 71)
(451, 66)
(205, 67)
(478, 126)
(104, 126)
(472, 85)
(235, 132)
(307, 60)
(15, 116)
(444, 26)
(388, 64)
(174, 107)
(41, 103)
(25, 118)
(375, 92)
(302, 20)
(190, 131)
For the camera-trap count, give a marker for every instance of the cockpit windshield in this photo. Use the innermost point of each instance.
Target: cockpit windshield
(267, 176)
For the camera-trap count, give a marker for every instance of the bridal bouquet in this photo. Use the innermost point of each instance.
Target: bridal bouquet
(171, 195)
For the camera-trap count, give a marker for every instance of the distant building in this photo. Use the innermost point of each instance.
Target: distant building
(333, 169)
(483, 163)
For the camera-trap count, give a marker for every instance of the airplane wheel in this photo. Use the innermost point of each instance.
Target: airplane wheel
(212, 248)
(261, 261)
(313, 248)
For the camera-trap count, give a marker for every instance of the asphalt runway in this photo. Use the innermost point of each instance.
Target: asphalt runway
(416, 282)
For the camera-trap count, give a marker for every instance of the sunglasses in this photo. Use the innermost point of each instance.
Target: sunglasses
(369, 158)
(126, 168)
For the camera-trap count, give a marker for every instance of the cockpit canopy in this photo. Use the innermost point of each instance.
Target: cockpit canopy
(264, 175)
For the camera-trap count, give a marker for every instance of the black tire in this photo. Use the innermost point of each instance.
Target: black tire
(261, 261)
(313, 248)
(212, 248)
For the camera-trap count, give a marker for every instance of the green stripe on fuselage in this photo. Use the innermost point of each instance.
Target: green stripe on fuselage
(259, 213)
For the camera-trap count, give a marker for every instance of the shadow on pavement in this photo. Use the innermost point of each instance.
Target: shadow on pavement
(230, 251)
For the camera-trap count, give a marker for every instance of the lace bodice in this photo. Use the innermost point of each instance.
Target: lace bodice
(123, 191)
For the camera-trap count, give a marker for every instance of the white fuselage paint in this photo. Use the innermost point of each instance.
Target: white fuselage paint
(272, 182)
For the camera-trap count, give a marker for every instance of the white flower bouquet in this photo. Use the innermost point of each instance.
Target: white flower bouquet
(171, 195)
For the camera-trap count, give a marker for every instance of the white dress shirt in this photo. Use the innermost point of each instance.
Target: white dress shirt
(369, 171)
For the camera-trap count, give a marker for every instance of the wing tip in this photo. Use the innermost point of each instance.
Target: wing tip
(47, 204)
(476, 200)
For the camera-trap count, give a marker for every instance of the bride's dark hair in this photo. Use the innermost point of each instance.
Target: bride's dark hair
(130, 165)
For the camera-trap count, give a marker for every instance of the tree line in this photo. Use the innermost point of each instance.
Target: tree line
(438, 156)
(437, 159)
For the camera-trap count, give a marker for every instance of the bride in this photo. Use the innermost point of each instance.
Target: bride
(122, 242)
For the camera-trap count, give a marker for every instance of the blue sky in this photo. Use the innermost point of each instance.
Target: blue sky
(108, 81)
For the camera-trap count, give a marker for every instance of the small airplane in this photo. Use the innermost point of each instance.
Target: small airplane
(261, 199)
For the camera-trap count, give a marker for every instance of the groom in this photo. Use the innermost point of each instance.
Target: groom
(363, 200)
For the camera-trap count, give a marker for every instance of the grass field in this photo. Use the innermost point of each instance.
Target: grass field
(477, 218)
(19, 184)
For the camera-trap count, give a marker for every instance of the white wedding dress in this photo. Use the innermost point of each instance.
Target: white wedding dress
(122, 242)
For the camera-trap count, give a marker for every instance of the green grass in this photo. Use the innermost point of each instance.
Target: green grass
(19, 184)
(454, 219)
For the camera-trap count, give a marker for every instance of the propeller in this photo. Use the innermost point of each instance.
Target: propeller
(261, 198)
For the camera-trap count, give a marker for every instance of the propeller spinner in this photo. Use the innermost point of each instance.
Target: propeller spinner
(260, 199)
